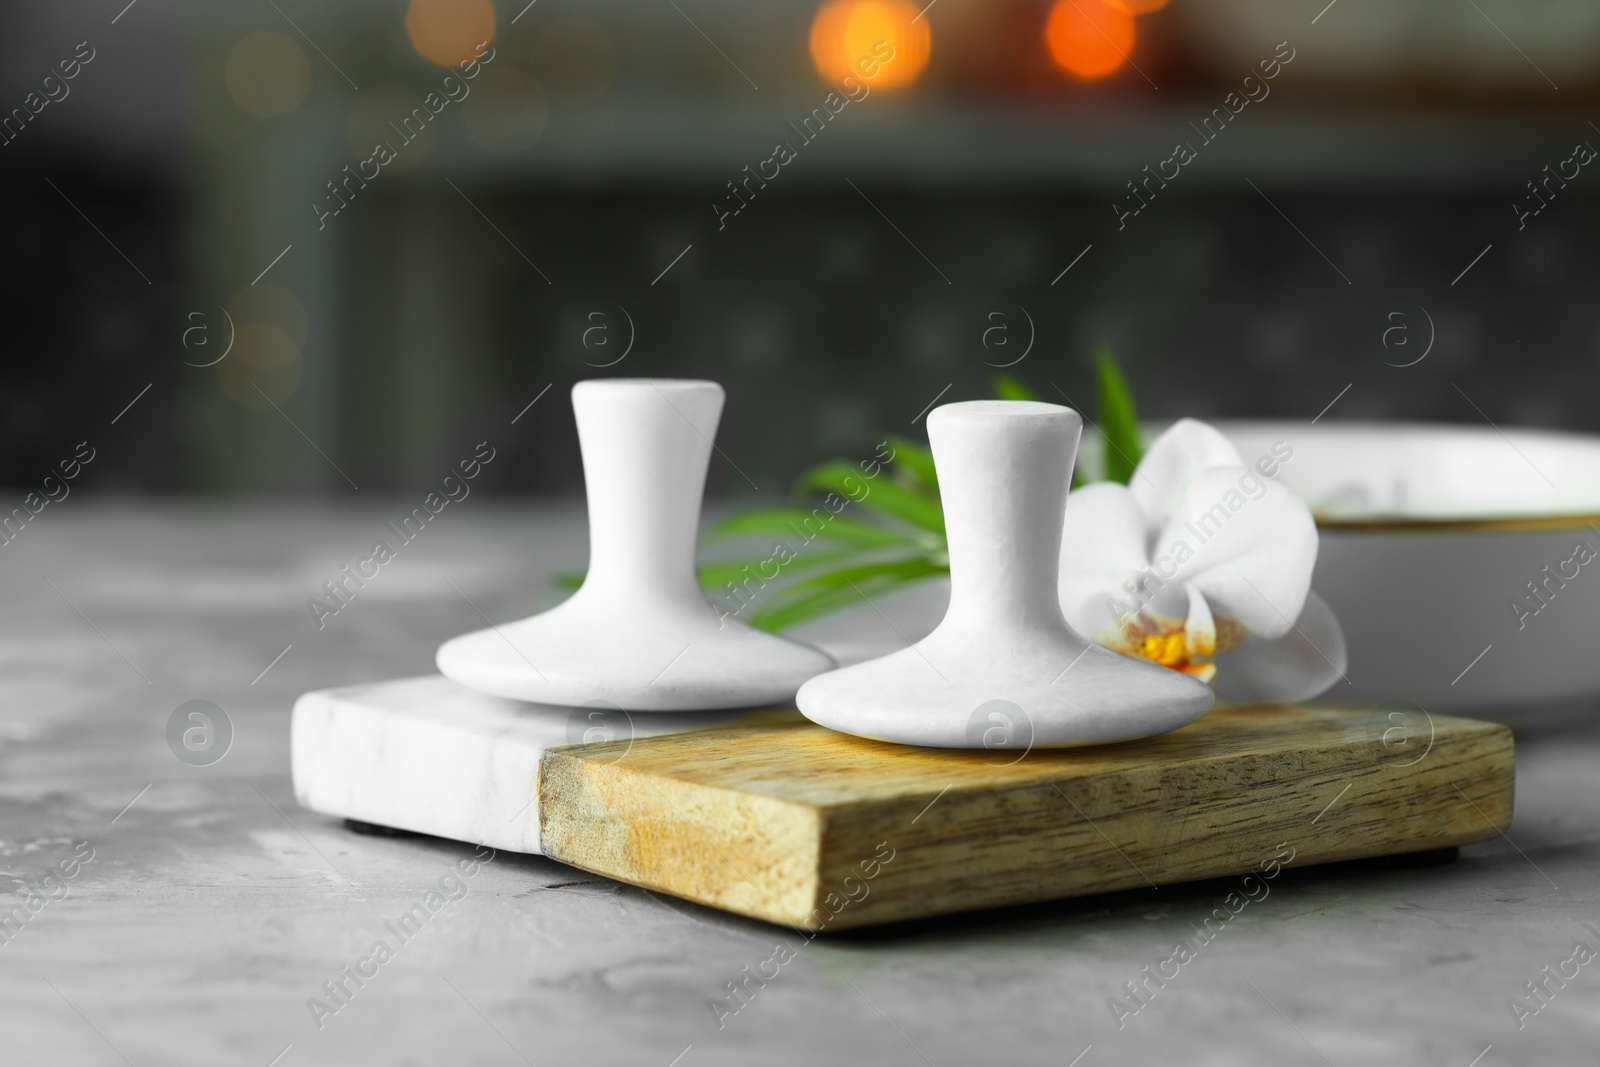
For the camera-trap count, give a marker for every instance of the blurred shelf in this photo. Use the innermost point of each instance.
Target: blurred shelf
(1015, 147)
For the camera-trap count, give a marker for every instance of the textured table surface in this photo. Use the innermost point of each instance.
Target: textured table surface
(213, 908)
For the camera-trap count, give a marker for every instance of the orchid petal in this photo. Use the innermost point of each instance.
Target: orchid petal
(1102, 530)
(1245, 542)
(1200, 629)
(1185, 450)
(1293, 668)
(1102, 546)
(1199, 638)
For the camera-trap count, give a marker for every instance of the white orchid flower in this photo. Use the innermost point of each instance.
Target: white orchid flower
(1202, 563)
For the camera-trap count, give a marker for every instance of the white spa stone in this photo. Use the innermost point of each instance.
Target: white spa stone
(639, 633)
(433, 757)
(1004, 670)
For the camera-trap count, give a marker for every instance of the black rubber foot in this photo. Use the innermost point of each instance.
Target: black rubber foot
(1435, 857)
(373, 829)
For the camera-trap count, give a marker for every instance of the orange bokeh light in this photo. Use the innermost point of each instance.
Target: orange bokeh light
(1144, 7)
(846, 33)
(448, 32)
(1089, 38)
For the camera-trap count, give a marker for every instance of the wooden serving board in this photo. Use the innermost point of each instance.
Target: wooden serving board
(785, 821)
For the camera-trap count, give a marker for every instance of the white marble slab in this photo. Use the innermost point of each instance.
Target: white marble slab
(431, 756)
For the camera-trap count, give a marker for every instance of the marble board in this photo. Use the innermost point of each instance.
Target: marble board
(431, 756)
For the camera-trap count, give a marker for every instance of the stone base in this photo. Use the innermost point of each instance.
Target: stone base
(433, 757)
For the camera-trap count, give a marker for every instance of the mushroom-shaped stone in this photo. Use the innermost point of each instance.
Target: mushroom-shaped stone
(1004, 670)
(639, 633)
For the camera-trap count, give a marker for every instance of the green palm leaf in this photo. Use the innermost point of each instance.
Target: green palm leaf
(791, 522)
(1007, 387)
(824, 594)
(879, 494)
(916, 464)
(1119, 421)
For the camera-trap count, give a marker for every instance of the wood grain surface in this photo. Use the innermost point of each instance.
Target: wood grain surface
(785, 821)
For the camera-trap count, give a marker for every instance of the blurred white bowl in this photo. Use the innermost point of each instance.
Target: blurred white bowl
(1429, 535)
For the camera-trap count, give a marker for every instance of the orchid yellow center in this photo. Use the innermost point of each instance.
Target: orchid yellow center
(1172, 650)
(1171, 644)
(1167, 649)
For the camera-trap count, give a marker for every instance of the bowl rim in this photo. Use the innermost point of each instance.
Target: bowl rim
(1508, 524)
(1539, 522)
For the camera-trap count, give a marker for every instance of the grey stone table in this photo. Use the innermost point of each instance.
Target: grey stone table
(211, 909)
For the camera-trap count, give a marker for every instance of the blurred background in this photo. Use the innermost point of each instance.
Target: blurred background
(210, 275)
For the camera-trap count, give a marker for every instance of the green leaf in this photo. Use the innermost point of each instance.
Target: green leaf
(806, 603)
(916, 461)
(829, 592)
(1119, 422)
(790, 523)
(1008, 387)
(715, 575)
(875, 494)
